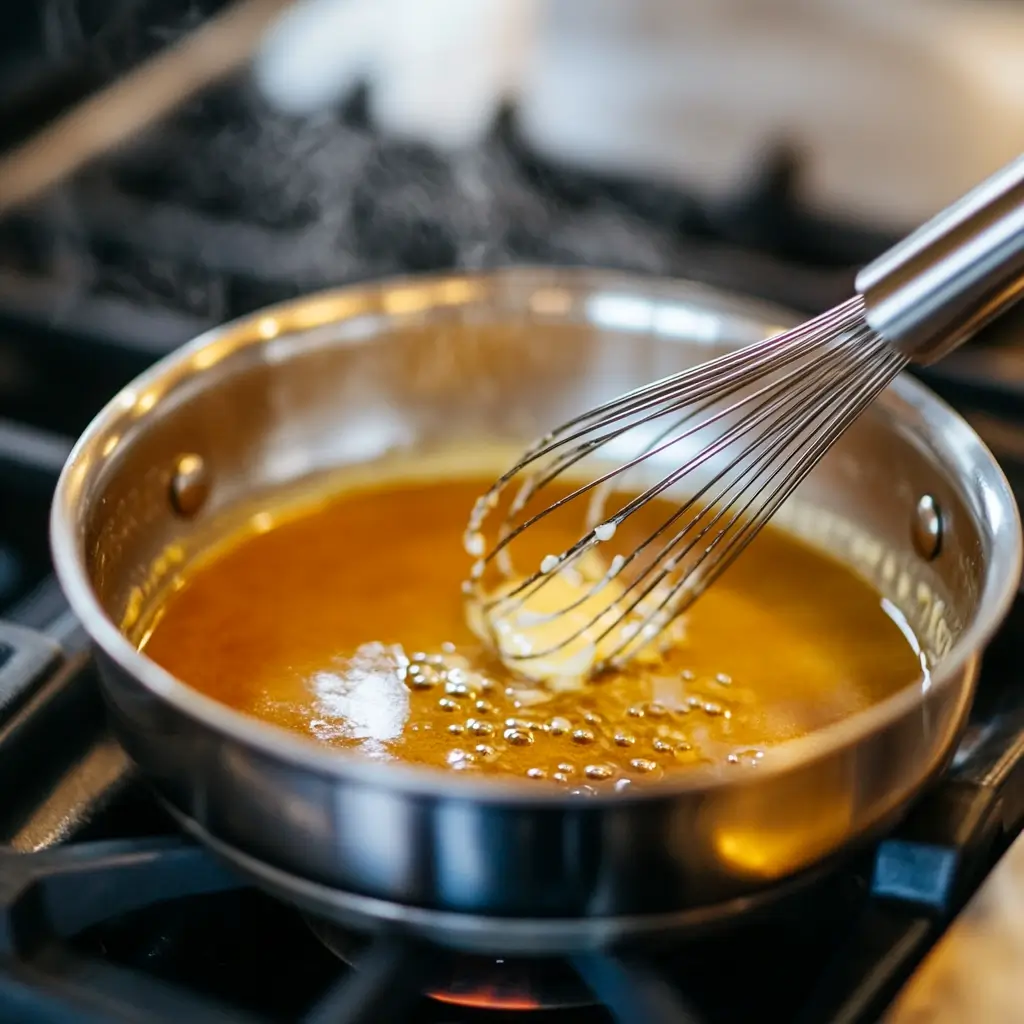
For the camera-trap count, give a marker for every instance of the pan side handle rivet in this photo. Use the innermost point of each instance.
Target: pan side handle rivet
(926, 529)
(190, 485)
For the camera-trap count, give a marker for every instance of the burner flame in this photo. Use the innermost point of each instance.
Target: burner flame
(486, 999)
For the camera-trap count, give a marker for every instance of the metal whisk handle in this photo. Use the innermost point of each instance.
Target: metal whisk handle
(931, 292)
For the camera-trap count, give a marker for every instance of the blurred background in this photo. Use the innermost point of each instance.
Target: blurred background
(769, 146)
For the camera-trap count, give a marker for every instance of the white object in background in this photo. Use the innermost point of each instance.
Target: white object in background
(898, 107)
(439, 69)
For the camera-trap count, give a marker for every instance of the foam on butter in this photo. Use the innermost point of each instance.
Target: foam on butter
(558, 634)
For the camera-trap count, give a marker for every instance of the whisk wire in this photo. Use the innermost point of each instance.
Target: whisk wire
(770, 411)
(697, 581)
(772, 439)
(743, 426)
(776, 433)
(727, 387)
(692, 385)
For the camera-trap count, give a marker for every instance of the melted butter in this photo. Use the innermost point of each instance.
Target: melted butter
(343, 619)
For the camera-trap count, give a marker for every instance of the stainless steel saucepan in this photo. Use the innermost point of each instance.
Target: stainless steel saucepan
(911, 498)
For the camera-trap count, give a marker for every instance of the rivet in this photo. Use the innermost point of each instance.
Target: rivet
(926, 529)
(190, 485)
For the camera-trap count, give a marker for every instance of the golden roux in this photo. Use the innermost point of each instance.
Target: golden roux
(345, 621)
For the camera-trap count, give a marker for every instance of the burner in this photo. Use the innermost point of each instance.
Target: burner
(478, 982)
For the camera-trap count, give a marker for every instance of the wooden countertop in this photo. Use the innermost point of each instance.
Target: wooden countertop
(975, 974)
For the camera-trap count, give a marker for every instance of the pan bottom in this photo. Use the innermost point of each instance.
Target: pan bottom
(480, 935)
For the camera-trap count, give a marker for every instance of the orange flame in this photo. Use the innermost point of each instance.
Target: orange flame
(486, 999)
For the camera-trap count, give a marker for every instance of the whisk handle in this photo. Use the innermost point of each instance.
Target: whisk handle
(931, 292)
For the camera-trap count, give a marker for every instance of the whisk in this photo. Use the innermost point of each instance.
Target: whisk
(732, 438)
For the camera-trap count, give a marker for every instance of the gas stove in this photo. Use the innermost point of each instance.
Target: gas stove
(108, 913)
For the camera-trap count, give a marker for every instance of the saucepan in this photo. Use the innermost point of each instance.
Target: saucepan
(910, 498)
